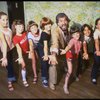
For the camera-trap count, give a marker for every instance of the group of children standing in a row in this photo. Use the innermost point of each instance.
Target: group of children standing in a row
(36, 43)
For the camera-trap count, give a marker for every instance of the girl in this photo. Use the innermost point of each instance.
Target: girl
(21, 42)
(72, 51)
(88, 44)
(6, 31)
(96, 64)
(43, 48)
(33, 38)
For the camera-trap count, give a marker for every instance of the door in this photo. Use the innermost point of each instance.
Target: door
(15, 11)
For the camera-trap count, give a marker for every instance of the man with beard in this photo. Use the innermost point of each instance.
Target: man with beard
(60, 36)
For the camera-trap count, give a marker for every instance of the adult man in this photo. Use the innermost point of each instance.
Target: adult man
(59, 39)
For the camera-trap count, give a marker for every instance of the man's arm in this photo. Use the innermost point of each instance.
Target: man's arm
(54, 41)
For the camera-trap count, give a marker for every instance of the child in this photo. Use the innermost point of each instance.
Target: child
(88, 45)
(6, 31)
(96, 64)
(33, 38)
(72, 51)
(43, 48)
(3, 48)
(21, 42)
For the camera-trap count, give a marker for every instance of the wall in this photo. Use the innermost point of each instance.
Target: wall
(80, 12)
(3, 6)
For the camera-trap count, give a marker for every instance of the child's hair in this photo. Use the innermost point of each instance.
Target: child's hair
(45, 21)
(30, 24)
(89, 27)
(2, 13)
(74, 29)
(16, 22)
(96, 22)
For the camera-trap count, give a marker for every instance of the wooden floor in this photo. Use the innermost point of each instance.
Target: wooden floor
(82, 89)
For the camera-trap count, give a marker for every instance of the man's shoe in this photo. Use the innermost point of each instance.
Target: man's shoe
(52, 86)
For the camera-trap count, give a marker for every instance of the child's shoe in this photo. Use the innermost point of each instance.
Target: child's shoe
(25, 83)
(45, 83)
(65, 90)
(10, 86)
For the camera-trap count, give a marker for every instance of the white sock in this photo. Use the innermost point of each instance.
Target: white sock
(23, 72)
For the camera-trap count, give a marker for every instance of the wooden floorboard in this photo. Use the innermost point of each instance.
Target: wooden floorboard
(79, 90)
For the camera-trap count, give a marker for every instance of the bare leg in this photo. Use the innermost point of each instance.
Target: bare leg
(69, 62)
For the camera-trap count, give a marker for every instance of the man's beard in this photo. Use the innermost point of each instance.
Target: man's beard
(65, 30)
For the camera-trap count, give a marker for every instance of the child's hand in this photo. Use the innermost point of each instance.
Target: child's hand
(62, 51)
(85, 56)
(4, 62)
(97, 53)
(21, 61)
(30, 54)
(45, 58)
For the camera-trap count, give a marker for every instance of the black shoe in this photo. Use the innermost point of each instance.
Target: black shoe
(94, 81)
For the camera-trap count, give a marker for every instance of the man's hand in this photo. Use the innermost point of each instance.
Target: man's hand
(52, 60)
(4, 62)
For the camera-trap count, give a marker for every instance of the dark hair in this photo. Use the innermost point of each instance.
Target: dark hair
(74, 29)
(88, 26)
(2, 13)
(96, 22)
(30, 24)
(60, 15)
(45, 21)
(16, 22)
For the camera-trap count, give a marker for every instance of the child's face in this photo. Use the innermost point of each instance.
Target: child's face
(76, 35)
(98, 25)
(86, 31)
(4, 21)
(19, 28)
(47, 27)
(34, 29)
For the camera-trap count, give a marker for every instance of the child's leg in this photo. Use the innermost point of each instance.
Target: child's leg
(23, 72)
(75, 67)
(34, 69)
(69, 63)
(10, 70)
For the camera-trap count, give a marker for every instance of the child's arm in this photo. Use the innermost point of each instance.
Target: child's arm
(85, 53)
(31, 47)
(65, 50)
(4, 50)
(45, 57)
(20, 57)
(97, 47)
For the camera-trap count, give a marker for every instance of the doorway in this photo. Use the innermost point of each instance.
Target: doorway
(15, 11)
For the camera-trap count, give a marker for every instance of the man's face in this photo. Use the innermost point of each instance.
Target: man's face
(63, 23)
(4, 21)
